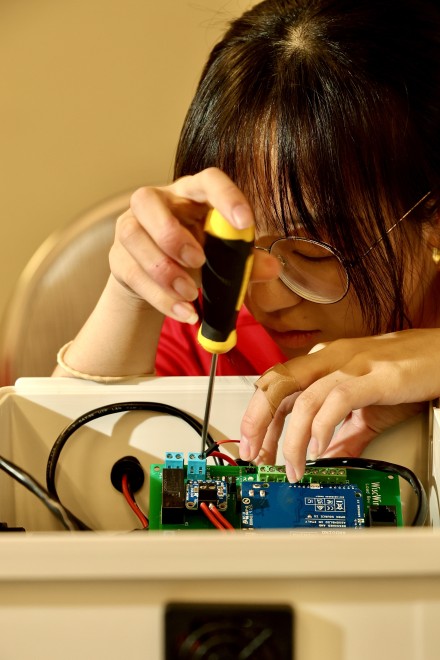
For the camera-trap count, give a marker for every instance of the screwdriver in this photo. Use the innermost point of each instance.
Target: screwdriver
(225, 276)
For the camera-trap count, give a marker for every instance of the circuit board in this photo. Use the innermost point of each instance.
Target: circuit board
(256, 498)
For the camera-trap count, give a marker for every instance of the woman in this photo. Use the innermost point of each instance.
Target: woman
(318, 120)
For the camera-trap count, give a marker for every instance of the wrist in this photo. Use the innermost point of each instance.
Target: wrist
(125, 297)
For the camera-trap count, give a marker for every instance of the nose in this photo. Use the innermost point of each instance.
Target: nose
(272, 296)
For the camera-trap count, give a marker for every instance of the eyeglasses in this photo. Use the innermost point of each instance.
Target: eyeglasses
(316, 271)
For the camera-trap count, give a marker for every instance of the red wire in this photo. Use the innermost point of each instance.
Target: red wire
(224, 442)
(132, 502)
(225, 457)
(220, 517)
(211, 516)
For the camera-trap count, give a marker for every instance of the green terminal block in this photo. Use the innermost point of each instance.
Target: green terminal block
(331, 475)
(271, 473)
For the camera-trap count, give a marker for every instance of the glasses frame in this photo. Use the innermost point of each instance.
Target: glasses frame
(347, 264)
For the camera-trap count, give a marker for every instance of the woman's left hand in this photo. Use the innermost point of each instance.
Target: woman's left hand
(368, 383)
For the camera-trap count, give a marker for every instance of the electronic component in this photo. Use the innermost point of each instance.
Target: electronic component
(381, 515)
(271, 473)
(269, 505)
(328, 475)
(174, 459)
(214, 492)
(196, 466)
(173, 496)
(333, 497)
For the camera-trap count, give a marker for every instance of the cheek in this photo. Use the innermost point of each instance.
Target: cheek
(343, 319)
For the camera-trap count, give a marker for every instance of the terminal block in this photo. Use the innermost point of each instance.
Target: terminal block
(196, 468)
(174, 460)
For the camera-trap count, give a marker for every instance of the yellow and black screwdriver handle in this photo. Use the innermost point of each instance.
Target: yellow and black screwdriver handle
(225, 276)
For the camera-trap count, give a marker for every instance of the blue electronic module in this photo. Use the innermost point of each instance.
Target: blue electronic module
(281, 505)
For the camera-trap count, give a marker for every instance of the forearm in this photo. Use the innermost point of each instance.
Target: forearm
(120, 337)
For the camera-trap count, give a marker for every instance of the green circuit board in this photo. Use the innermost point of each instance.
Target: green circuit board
(252, 498)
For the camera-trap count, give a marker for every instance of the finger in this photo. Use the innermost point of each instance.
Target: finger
(215, 188)
(268, 452)
(129, 273)
(161, 215)
(254, 425)
(153, 262)
(319, 410)
(346, 395)
(297, 374)
(298, 433)
(277, 384)
(351, 439)
(363, 425)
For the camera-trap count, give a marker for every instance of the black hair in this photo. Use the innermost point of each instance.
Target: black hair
(327, 113)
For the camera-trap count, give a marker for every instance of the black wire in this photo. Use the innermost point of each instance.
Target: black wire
(111, 409)
(25, 479)
(383, 466)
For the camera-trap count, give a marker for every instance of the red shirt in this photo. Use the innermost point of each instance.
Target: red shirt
(180, 354)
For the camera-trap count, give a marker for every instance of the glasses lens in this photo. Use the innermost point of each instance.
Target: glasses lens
(311, 270)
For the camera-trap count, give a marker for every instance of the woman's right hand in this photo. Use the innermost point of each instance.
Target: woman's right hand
(158, 248)
(155, 262)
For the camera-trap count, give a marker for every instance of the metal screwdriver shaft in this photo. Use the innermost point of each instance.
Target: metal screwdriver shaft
(205, 426)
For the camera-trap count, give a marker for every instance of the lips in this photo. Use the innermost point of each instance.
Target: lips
(293, 338)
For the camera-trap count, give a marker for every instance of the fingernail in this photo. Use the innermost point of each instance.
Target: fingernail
(192, 256)
(185, 312)
(185, 288)
(313, 449)
(290, 473)
(242, 216)
(244, 449)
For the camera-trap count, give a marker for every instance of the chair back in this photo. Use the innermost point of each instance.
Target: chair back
(57, 291)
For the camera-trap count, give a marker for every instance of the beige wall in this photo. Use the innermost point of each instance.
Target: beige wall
(93, 94)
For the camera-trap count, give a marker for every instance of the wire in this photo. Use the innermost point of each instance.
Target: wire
(383, 466)
(225, 457)
(102, 411)
(126, 490)
(25, 479)
(215, 447)
(211, 516)
(220, 517)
